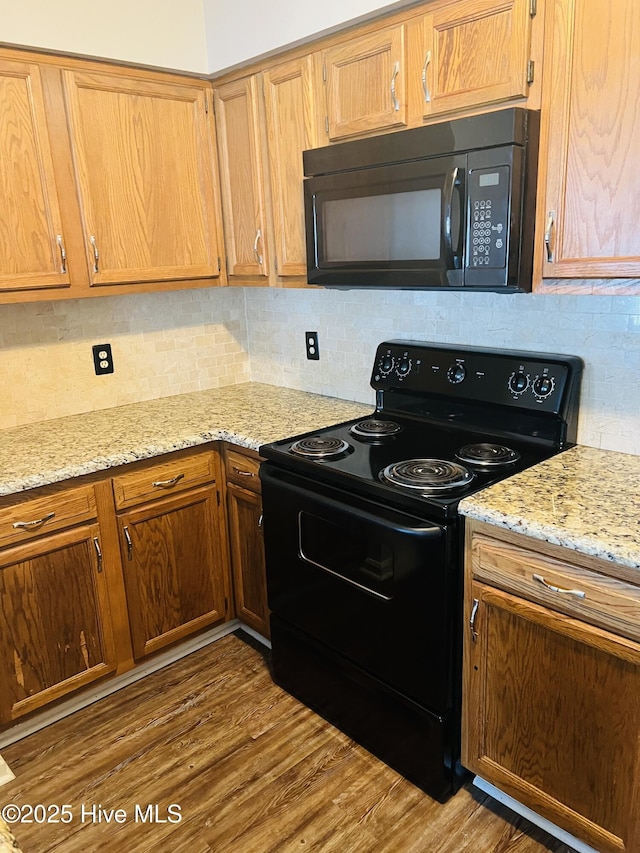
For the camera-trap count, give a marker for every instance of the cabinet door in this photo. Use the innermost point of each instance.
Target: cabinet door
(143, 162)
(242, 178)
(32, 249)
(55, 626)
(591, 139)
(291, 129)
(365, 84)
(173, 568)
(551, 716)
(475, 52)
(247, 557)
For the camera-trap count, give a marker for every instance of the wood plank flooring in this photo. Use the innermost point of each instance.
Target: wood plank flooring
(252, 770)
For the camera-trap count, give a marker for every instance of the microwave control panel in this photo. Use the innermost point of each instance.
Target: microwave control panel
(488, 217)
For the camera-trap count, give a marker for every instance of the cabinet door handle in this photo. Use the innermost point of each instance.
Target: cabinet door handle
(261, 523)
(255, 247)
(425, 87)
(472, 620)
(577, 592)
(548, 233)
(394, 98)
(125, 530)
(96, 254)
(35, 523)
(63, 254)
(166, 484)
(96, 545)
(242, 473)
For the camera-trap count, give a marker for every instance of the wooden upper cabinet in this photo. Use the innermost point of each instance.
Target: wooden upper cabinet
(32, 244)
(590, 206)
(473, 52)
(291, 129)
(143, 164)
(240, 151)
(365, 84)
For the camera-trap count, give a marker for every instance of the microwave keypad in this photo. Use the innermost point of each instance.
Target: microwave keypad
(488, 218)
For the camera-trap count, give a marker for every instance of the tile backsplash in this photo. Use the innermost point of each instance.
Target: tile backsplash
(182, 341)
(603, 330)
(162, 344)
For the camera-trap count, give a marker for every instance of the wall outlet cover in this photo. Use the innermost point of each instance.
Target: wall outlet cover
(102, 359)
(311, 342)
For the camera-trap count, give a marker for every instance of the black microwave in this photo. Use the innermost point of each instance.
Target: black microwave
(449, 206)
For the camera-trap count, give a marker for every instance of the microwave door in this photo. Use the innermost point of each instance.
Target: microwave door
(399, 225)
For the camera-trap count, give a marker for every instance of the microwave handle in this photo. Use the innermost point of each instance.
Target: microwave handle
(452, 181)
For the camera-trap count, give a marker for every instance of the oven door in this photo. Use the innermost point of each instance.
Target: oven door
(397, 225)
(376, 586)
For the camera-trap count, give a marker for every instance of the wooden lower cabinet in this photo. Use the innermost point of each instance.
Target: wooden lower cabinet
(98, 574)
(551, 710)
(55, 624)
(172, 549)
(244, 509)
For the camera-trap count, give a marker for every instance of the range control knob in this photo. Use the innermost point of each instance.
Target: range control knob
(404, 366)
(456, 373)
(543, 386)
(519, 382)
(386, 364)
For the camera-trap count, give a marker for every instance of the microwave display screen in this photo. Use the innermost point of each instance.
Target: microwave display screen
(397, 226)
(492, 179)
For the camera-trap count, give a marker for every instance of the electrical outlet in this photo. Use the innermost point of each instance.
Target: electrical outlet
(311, 340)
(102, 359)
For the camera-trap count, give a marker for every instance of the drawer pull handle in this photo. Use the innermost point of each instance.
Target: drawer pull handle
(472, 620)
(125, 530)
(577, 592)
(166, 484)
(96, 544)
(36, 523)
(241, 472)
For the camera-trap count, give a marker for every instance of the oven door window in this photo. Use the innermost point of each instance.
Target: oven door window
(356, 556)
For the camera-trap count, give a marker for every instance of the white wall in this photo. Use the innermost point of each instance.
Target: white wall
(238, 30)
(163, 33)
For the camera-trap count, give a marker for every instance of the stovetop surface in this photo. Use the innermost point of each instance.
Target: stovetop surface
(358, 469)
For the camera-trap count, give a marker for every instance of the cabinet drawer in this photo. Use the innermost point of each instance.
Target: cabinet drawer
(587, 595)
(27, 519)
(157, 480)
(243, 470)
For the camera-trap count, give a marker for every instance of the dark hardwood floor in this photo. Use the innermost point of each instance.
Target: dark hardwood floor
(250, 768)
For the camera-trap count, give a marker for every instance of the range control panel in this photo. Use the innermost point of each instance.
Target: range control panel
(535, 381)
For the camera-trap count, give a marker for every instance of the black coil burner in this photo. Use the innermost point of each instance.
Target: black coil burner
(375, 428)
(487, 455)
(317, 447)
(427, 475)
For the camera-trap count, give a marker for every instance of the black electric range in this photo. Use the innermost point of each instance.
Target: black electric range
(363, 539)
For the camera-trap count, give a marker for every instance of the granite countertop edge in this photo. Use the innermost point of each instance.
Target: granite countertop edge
(584, 499)
(96, 464)
(247, 414)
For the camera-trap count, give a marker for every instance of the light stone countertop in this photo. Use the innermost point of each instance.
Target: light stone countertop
(249, 414)
(584, 499)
